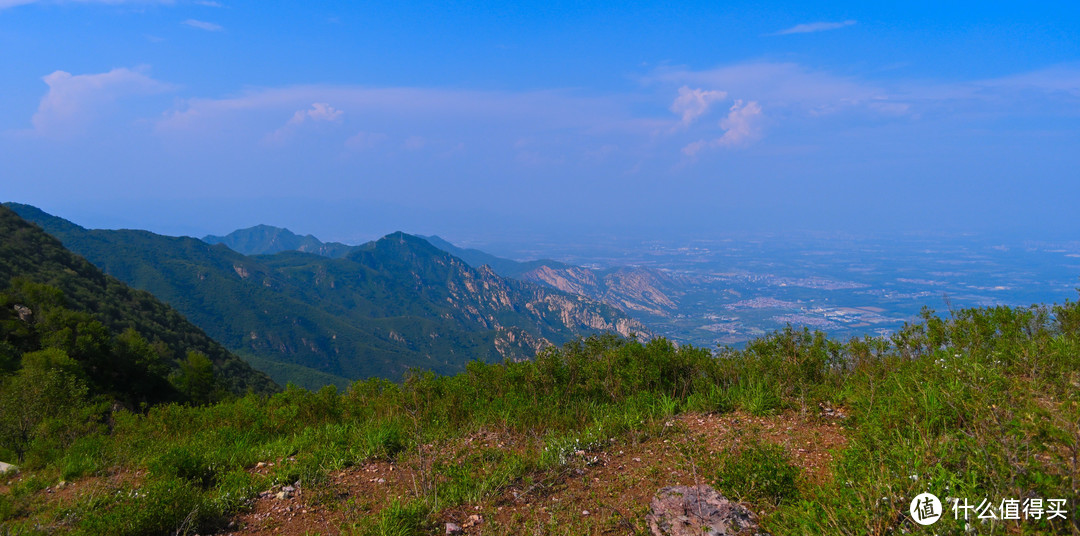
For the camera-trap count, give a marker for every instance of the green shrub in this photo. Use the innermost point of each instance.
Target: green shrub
(383, 440)
(756, 396)
(86, 456)
(758, 472)
(186, 462)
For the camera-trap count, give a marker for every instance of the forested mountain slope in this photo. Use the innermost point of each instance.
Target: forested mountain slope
(389, 305)
(126, 342)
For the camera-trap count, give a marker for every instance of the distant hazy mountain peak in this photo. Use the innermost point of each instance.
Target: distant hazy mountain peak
(265, 239)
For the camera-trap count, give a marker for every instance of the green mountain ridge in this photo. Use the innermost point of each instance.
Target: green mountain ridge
(32, 264)
(267, 240)
(642, 292)
(389, 305)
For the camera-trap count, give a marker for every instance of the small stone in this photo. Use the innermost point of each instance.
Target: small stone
(8, 468)
(282, 495)
(24, 312)
(584, 512)
(288, 489)
(453, 528)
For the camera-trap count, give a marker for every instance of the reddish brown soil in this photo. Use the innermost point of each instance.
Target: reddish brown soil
(606, 491)
(351, 494)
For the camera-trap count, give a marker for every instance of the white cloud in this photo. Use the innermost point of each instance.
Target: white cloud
(74, 100)
(695, 147)
(741, 127)
(742, 124)
(693, 103)
(203, 25)
(320, 112)
(788, 103)
(813, 27)
(782, 86)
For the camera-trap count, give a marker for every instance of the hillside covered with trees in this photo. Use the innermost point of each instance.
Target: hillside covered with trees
(384, 307)
(73, 338)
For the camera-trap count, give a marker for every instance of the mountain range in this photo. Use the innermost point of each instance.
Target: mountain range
(376, 310)
(637, 291)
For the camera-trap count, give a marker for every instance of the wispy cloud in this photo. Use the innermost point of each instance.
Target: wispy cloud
(693, 103)
(320, 112)
(404, 105)
(203, 25)
(787, 86)
(74, 100)
(676, 112)
(813, 27)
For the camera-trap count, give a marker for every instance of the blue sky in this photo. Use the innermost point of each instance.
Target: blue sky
(547, 118)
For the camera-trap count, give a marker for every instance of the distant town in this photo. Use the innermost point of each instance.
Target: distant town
(730, 291)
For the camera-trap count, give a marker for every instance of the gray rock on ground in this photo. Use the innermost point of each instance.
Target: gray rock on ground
(5, 467)
(698, 511)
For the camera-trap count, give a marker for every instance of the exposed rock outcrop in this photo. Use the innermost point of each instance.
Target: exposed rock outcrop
(628, 289)
(699, 511)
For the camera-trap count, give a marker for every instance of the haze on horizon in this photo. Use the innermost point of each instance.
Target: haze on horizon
(350, 121)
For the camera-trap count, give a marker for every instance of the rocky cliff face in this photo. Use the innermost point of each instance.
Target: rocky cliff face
(486, 298)
(629, 289)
